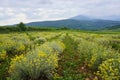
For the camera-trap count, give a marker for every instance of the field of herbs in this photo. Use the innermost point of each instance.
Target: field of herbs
(59, 55)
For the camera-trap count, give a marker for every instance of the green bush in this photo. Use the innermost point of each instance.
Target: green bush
(35, 65)
(40, 40)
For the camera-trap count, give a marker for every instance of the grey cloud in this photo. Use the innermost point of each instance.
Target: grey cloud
(56, 9)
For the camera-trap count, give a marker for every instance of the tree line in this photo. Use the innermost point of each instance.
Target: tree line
(21, 27)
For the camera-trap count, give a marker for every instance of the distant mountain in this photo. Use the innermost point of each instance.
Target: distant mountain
(112, 17)
(77, 22)
(81, 17)
(113, 27)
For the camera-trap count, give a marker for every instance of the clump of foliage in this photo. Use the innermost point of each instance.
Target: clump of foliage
(35, 65)
(110, 69)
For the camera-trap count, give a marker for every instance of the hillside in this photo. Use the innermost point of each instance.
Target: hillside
(113, 28)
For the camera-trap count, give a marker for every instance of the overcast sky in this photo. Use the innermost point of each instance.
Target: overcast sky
(15, 11)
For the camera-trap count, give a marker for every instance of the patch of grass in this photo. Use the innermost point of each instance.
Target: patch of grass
(69, 63)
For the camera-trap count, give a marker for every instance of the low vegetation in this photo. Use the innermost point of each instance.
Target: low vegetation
(59, 55)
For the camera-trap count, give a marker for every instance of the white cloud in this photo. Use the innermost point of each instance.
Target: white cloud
(21, 17)
(1, 14)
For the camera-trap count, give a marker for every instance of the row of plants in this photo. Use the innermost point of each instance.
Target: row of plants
(102, 60)
(107, 40)
(19, 43)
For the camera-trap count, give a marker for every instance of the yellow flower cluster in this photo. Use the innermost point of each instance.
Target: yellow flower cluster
(14, 61)
(3, 55)
(14, 43)
(110, 69)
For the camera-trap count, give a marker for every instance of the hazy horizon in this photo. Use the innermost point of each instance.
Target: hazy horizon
(15, 11)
